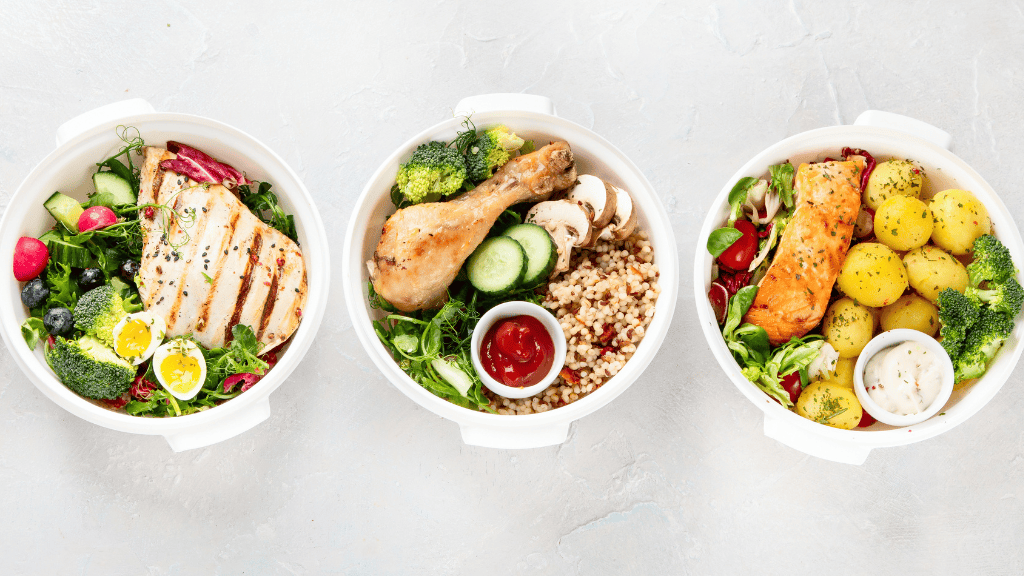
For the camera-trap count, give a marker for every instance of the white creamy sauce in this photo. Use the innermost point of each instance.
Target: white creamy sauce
(903, 379)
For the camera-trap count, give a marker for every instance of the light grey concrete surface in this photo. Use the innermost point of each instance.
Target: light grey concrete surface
(349, 476)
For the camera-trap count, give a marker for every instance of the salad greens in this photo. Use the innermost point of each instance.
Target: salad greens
(751, 348)
(263, 203)
(425, 340)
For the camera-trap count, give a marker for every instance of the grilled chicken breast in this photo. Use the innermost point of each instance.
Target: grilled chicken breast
(422, 247)
(208, 263)
(792, 297)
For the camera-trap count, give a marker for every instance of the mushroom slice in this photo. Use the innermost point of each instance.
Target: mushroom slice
(568, 225)
(624, 222)
(595, 196)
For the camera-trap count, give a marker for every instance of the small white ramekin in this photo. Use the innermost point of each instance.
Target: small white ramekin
(508, 310)
(894, 338)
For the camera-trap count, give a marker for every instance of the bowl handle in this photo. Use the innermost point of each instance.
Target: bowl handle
(102, 115)
(220, 430)
(490, 102)
(906, 124)
(797, 439)
(515, 438)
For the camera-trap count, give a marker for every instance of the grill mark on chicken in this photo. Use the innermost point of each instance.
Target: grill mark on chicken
(243, 292)
(158, 182)
(190, 260)
(268, 306)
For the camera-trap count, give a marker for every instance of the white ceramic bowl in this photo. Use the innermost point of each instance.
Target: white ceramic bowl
(508, 310)
(886, 136)
(532, 118)
(82, 142)
(895, 338)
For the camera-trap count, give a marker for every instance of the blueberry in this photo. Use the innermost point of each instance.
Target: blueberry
(34, 293)
(90, 278)
(58, 321)
(129, 268)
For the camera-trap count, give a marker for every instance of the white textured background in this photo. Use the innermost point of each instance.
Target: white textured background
(350, 477)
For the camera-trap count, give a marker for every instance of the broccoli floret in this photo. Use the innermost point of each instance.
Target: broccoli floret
(98, 311)
(434, 170)
(957, 313)
(992, 262)
(90, 368)
(490, 152)
(1007, 297)
(983, 341)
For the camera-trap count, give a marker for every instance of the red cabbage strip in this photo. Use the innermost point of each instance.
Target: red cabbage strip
(847, 152)
(201, 167)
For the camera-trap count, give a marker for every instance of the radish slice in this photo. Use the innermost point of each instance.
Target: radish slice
(719, 298)
(95, 218)
(30, 258)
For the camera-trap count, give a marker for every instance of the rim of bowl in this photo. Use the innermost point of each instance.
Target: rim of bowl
(781, 150)
(653, 338)
(508, 310)
(890, 339)
(47, 382)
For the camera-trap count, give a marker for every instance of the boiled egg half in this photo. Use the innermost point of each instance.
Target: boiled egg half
(180, 368)
(137, 336)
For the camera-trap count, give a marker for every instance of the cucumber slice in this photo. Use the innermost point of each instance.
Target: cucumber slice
(111, 190)
(541, 252)
(65, 210)
(497, 265)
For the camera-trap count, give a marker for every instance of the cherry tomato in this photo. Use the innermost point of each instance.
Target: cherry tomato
(742, 252)
(792, 385)
(866, 420)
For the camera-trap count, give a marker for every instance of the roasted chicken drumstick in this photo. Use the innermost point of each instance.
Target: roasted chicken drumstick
(422, 247)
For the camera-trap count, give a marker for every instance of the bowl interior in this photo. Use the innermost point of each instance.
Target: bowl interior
(69, 170)
(593, 156)
(943, 170)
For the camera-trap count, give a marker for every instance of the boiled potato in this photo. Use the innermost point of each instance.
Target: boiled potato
(847, 327)
(911, 311)
(844, 372)
(827, 402)
(872, 274)
(892, 178)
(903, 223)
(959, 219)
(932, 269)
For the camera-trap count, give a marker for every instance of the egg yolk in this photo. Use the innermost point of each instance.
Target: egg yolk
(180, 372)
(133, 339)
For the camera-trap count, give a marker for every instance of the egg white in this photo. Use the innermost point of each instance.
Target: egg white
(183, 347)
(157, 330)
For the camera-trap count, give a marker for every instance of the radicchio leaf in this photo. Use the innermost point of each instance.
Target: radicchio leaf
(247, 380)
(201, 167)
(870, 160)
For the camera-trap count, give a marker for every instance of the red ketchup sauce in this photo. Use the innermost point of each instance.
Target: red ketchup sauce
(517, 351)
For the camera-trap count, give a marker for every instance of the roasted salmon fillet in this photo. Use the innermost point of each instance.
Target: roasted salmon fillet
(208, 263)
(792, 297)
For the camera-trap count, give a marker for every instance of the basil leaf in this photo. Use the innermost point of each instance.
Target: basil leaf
(738, 306)
(756, 340)
(720, 240)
